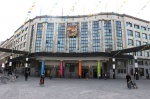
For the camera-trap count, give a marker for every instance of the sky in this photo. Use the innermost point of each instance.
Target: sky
(14, 12)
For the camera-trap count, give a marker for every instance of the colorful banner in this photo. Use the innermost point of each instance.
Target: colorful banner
(98, 69)
(42, 67)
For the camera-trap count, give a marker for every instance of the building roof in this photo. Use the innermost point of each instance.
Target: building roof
(82, 16)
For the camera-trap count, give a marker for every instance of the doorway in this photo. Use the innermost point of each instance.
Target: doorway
(94, 73)
(57, 73)
(84, 72)
(47, 72)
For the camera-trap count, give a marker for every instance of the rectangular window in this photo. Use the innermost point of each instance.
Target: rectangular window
(128, 24)
(130, 42)
(140, 62)
(146, 54)
(144, 43)
(137, 34)
(22, 31)
(21, 38)
(131, 62)
(139, 53)
(26, 29)
(20, 46)
(25, 36)
(84, 37)
(108, 36)
(38, 42)
(119, 35)
(136, 26)
(143, 28)
(49, 37)
(95, 36)
(130, 32)
(138, 43)
(24, 44)
(144, 36)
(61, 37)
(148, 29)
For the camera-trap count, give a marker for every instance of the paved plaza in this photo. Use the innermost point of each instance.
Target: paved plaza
(63, 88)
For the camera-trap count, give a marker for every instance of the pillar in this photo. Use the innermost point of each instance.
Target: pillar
(113, 63)
(80, 69)
(42, 67)
(98, 69)
(136, 68)
(61, 69)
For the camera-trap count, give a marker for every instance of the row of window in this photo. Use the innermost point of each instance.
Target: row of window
(138, 43)
(20, 46)
(140, 62)
(129, 24)
(20, 39)
(137, 34)
(139, 53)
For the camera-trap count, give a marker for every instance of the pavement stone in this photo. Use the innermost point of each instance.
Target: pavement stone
(64, 88)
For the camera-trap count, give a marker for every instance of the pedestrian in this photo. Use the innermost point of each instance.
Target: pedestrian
(70, 75)
(43, 76)
(26, 76)
(50, 76)
(105, 75)
(128, 78)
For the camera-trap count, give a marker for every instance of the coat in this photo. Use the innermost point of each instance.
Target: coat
(128, 78)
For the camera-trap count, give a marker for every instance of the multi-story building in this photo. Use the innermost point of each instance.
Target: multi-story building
(8, 44)
(54, 36)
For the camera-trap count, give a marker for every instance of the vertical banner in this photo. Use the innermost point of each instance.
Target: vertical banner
(80, 69)
(42, 67)
(98, 69)
(61, 68)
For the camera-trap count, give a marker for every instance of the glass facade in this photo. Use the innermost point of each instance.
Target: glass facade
(61, 37)
(38, 42)
(108, 36)
(72, 44)
(95, 36)
(84, 37)
(119, 35)
(49, 37)
(31, 39)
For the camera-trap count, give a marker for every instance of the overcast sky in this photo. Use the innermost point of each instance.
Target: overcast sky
(14, 12)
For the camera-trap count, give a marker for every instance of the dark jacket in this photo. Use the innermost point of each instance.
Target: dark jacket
(128, 78)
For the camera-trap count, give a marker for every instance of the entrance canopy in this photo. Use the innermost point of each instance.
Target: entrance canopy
(13, 51)
(115, 54)
(129, 50)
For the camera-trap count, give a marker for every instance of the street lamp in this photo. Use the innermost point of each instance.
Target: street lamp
(113, 59)
(10, 63)
(26, 65)
(3, 66)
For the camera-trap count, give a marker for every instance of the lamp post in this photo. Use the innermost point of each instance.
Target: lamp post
(3, 67)
(26, 65)
(136, 68)
(113, 61)
(10, 64)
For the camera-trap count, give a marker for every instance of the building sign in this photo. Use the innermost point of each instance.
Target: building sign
(72, 29)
